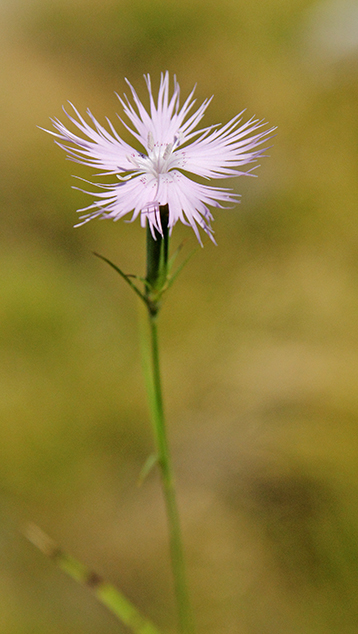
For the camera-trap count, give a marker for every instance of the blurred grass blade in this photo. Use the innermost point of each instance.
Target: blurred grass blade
(106, 593)
(150, 462)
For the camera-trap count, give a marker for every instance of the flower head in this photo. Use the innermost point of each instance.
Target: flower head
(172, 148)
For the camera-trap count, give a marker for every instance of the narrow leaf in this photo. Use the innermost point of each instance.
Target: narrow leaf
(173, 277)
(125, 277)
(175, 255)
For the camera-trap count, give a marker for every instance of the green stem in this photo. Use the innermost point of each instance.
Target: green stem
(156, 279)
(164, 461)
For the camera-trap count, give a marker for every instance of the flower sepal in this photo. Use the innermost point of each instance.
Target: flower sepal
(156, 281)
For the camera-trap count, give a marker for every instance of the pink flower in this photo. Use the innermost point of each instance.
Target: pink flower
(172, 151)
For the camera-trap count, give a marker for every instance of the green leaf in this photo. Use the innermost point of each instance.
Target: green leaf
(173, 277)
(123, 275)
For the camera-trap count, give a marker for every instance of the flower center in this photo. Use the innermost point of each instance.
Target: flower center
(158, 159)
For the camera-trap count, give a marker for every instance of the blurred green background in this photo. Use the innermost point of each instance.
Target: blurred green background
(259, 335)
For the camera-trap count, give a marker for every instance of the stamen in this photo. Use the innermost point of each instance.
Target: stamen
(167, 151)
(178, 139)
(150, 141)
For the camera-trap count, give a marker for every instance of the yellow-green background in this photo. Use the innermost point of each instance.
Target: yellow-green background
(259, 335)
